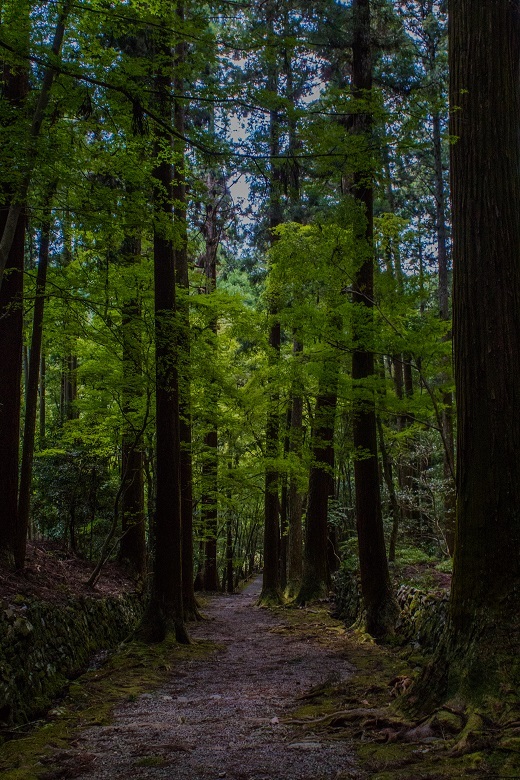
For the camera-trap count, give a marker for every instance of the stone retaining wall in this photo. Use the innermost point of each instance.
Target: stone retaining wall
(423, 614)
(42, 645)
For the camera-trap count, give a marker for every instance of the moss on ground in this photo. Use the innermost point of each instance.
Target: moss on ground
(90, 700)
(454, 742)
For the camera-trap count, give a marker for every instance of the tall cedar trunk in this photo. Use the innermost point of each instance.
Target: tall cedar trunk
(271, 573)
(210, 482)
(316, 578)
(295, 500)
(69, 362)
(410, 468)
(293, 557)
(11, 335)
(389, 480)
(133, 541)
(404, 471)
(444, 312)
(395, 272)
(43, 408)
(486, 193)
(228, 576)
(375, 579)
(478, 657)
(12, 537)
(31, 392)
(191, 611)
(284, 503)
(397, 364)
(209, 511)
(167, 599)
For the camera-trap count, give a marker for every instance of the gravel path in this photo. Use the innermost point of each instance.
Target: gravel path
(219, 717)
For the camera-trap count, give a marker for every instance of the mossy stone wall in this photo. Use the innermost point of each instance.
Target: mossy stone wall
(42, 645)
(423, 614)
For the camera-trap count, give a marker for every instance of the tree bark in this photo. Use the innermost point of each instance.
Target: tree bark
(210, 481)
(444, 312)
(486, 193)
(210, 511)
(43, 405)
(395, 509)
(271, 574)
(375, 579)
(316, 578)
(15, 88)
(228, 577)
(191, 607)
(166, 609)
(31, 394)
(295, 499)
(477, 659)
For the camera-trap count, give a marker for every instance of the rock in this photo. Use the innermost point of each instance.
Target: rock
(23, 627)
(46, 643)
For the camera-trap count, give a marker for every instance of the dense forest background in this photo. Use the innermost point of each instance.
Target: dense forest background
(267, 158)
(225, 303)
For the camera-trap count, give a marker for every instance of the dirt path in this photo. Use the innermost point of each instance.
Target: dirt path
(220, 717)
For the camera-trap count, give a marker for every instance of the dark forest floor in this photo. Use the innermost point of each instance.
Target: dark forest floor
(55, 575)
(280, 694)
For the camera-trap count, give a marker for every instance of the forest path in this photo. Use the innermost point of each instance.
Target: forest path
(220, 717)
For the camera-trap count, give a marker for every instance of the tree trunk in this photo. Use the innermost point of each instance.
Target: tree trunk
(478, 657)
(316, 578)
(394, 503)
(210, 470)
(284, 503)
(444, 312)
(230, 588)
(210, 511)
(375, 579)
(31, 394)
(486, 192)
(191, 610)
(271, 574)
(295, 500)
(43, 408)
(15, 88)
(11, 337)
(166, 609)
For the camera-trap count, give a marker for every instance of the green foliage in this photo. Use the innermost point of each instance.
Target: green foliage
(98, 149)
(73, 497)
(412, 556)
